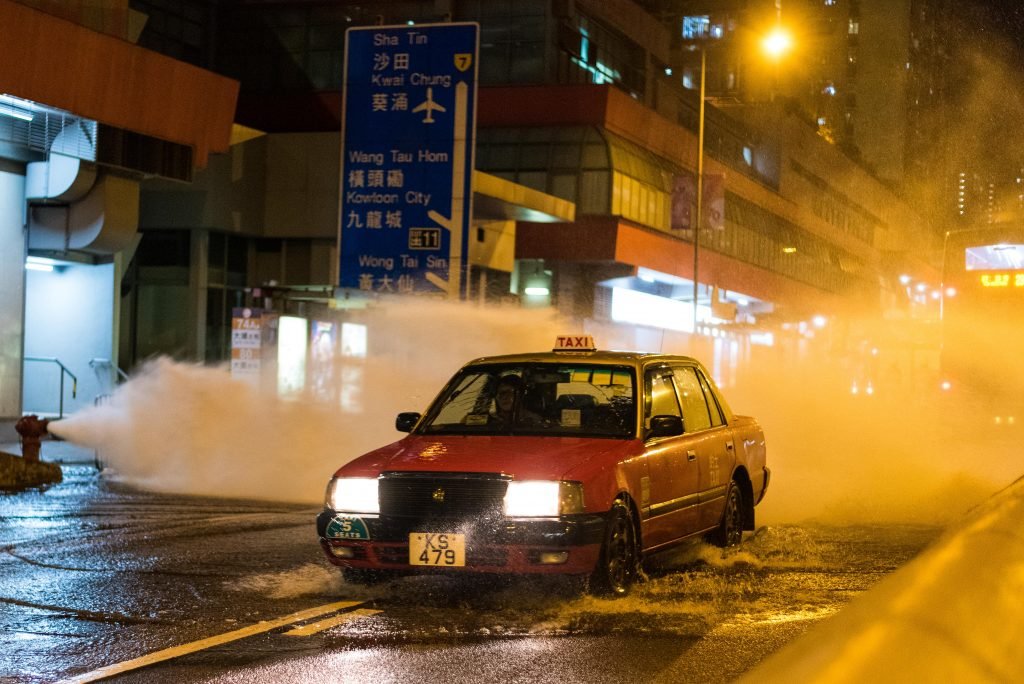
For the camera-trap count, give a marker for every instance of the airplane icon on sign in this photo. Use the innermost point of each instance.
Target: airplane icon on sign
(429, 106)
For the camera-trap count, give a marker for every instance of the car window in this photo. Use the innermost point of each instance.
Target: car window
(556, 399)
(716, 413)
(661, 396)
(696, 416)
(465, 397)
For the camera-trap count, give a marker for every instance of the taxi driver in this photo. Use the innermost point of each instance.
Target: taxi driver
(508, 403)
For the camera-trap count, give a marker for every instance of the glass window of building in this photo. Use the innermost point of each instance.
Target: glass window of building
(696, 27)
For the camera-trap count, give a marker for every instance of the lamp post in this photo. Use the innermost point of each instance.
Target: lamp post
(699, 220)
(775, 44)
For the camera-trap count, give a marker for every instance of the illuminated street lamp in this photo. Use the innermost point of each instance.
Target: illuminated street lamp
(697, 224)
(775, 44)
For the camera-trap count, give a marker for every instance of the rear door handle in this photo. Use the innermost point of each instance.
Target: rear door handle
(728, 445)
(691, 455)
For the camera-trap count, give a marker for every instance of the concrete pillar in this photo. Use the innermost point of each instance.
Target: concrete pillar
(12, 286)
(198, 284)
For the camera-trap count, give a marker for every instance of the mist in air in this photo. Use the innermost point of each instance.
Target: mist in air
(185, 428)
(835, 457)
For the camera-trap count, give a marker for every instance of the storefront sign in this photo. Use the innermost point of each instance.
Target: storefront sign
(1002, 280)
(246, 342)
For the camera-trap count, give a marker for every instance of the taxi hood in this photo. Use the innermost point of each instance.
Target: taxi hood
(524, 458)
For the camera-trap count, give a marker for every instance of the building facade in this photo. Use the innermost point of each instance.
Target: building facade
(85, 116)
(584, 190)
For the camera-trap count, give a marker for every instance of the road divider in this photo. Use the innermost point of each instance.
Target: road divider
(953, 614)
(227, 637)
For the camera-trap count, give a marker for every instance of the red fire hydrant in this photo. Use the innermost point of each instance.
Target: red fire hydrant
(31, 430)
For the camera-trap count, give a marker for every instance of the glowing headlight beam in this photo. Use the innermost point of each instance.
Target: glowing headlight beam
(541, 499)
(353, 495)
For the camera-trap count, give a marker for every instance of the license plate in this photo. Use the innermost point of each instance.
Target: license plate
(437, 549)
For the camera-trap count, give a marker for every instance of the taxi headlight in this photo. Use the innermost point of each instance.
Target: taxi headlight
(353, 495)
(543, 499)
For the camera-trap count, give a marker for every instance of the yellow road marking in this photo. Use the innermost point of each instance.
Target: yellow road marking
(321, 625)
(202, 644)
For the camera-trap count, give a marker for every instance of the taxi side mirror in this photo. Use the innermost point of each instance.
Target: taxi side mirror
(406, 421)
(665, 426)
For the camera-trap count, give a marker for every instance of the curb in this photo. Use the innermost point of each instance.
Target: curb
(955, 613)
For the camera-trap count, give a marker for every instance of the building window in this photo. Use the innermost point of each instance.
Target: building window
(593, 53)
(760, 237)
(696, 28)
(176, 28)
(513, 37)
(271, 48)
(690, 82)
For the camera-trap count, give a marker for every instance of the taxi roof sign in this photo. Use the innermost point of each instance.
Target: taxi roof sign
(574, 343)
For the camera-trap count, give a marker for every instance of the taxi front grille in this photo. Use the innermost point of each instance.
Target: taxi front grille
(441, 496)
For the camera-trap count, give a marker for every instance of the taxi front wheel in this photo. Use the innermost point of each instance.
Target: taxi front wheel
(618, 565)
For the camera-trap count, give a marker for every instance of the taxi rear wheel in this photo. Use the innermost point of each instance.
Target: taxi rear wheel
(730, 529)
(618, 565)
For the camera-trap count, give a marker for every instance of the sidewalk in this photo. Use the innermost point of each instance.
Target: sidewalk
(50, 451)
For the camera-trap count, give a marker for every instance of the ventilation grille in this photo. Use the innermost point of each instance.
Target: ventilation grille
(42, 133)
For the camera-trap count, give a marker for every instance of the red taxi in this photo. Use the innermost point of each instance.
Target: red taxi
(574, 461)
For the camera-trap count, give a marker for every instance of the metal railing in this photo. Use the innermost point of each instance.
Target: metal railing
(63, 371)
(109, 364)
(118, 376)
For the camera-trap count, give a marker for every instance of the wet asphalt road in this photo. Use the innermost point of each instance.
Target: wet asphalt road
(93, 574)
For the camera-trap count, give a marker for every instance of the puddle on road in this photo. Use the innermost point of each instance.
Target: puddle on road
(784, 573)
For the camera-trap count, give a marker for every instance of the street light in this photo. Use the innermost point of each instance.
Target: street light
(700, 183)
(775, 44)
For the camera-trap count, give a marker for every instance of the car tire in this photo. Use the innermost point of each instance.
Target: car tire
(730, 529)
(619, 563)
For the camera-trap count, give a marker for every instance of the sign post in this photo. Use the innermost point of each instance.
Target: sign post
(408, 131)
(246, 343)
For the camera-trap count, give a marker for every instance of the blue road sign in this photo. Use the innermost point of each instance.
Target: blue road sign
(408, 131)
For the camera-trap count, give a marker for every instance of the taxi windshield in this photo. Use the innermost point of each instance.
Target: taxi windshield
(545, 399)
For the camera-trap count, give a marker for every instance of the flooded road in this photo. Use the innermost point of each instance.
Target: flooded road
(97, 575)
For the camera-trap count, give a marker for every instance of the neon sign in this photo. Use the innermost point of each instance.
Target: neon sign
(1002, 280)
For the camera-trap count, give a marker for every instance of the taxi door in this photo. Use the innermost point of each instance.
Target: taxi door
(670, 510)
(710, 439)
